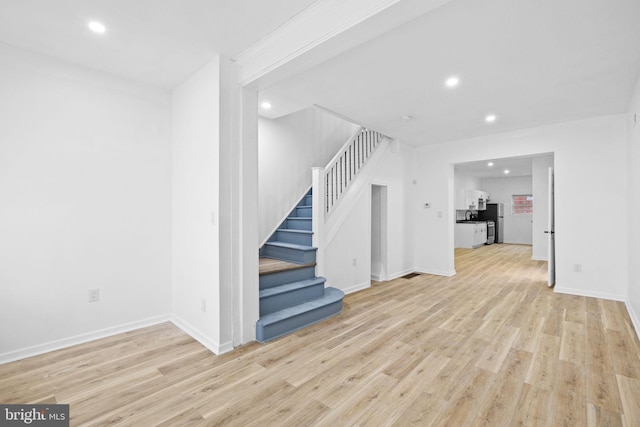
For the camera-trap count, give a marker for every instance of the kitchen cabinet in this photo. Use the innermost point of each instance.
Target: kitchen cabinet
(480, 235)
(467, 198)
(482, 204)
(483, 198)
(470, 235)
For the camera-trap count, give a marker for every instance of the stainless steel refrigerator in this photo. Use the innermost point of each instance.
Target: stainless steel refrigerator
(495, 213)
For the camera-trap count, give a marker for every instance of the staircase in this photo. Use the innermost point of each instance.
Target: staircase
(291, 295)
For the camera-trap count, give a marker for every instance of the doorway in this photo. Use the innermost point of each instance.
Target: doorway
(378, 232)
(503, 179)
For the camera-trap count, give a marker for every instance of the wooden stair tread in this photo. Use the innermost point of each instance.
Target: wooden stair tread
(270, 265)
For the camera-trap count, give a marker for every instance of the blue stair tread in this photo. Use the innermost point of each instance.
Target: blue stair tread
(287, 287)
(292, 230)
(290, 245)
(331, 295)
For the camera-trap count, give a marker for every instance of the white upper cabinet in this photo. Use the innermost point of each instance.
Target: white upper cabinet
(467, 198)
(483, 198)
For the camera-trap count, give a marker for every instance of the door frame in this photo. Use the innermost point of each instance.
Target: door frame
(550, 231)
(379, 224)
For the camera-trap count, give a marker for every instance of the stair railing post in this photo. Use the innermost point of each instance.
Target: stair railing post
(319, 210)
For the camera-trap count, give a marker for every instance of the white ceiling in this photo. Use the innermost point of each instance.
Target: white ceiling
(517, 166)
(160, 42)
(529, 62)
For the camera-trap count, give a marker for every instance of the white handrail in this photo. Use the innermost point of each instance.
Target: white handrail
(344, 147)
(344, 166)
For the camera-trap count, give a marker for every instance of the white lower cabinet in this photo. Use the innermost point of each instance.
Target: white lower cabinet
(480, 236)
(470, 235)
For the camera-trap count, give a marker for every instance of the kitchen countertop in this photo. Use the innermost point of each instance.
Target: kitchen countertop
(470, 221)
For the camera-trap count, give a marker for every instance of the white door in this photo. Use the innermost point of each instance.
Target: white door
(551, 234)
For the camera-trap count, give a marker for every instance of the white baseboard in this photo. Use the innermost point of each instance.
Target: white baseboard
(36, 350)
(634, 318)
(583, 293)
(356, 288)
(436, 272)
(539, 258)
(217, 348)
(389, 277)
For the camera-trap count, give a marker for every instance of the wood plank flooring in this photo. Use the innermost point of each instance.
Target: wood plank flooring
(491, 346)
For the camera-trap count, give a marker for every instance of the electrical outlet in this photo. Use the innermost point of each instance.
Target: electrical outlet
(577, 268)
(203, 305)
(94, 295)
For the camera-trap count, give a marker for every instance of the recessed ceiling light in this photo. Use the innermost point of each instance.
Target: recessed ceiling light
(490, 164)
(97, 27)
(506, 171)
(406, 118)
(266, 105)
(452, 81)
(490, 118)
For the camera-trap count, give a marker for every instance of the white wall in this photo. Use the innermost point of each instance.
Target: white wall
(465, 180)
(634, 207)
(288, 148)
(352, 240)
(195, 204)
(517, 228)
(214, 215)
(590, 159)
(84, 203)
(540, 182)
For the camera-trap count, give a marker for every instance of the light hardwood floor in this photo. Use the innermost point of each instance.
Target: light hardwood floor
(268, 265)
(491, 346)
